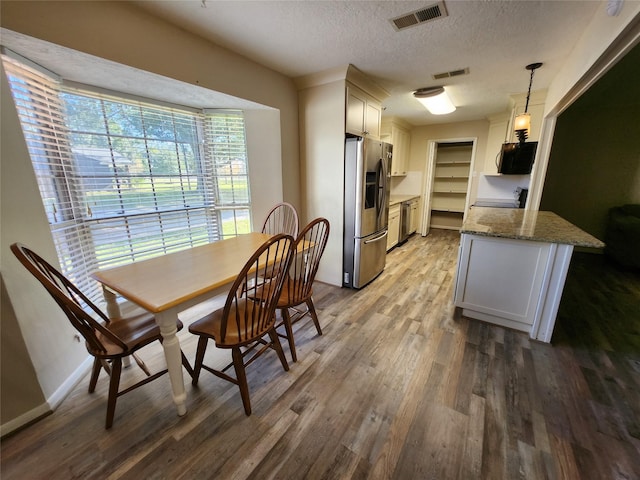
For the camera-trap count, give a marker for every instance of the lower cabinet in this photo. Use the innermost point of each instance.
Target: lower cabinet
(394, 226)
(413, 219)
(512, 283)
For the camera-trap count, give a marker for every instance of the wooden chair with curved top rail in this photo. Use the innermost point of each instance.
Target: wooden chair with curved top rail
(282, 218)
(297, 289)
(107, 340)
(248, 315)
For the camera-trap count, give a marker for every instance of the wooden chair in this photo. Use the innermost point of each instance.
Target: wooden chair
(248, 315)
(108, 341)
(297, 288)
(282, 218)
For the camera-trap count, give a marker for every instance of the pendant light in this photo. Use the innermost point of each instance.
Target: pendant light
(435, 99)
(522, 123)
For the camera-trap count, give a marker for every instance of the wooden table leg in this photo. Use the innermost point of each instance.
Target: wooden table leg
(171, 345)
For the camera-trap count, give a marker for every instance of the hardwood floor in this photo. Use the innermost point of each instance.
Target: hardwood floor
(400, 386)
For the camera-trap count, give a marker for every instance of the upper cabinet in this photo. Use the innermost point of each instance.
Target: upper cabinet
(363, 113)
(498, 134)
(397, 132)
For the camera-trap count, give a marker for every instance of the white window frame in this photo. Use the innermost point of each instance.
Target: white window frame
(218, 151)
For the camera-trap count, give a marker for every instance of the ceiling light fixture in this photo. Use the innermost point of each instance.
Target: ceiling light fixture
(435, 99)
(522, 123)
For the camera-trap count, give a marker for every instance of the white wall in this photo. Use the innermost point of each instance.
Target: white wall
(322, 128)
(264, 150)
(600, 36)
(46, 331)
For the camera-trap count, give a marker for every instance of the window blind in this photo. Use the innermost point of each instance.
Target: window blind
(224, 134)
(124, 180)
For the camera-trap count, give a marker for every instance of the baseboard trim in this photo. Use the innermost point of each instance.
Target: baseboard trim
(52, 402)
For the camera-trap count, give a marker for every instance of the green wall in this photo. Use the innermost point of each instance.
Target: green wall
(595, 157)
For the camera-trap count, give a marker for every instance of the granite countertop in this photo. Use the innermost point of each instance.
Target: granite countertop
(394, 199)
(518, 223)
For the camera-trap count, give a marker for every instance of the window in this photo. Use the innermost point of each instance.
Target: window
(124, 180)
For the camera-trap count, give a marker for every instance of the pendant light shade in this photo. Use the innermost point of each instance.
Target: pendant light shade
(435, 99)
(522, 122)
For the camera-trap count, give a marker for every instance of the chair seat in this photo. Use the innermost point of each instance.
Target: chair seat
(135, 331)
(211, 325)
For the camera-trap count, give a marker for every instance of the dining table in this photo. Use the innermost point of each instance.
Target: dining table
(168, 284)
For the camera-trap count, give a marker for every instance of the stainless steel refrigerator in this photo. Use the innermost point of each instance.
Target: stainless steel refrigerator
(366, 209)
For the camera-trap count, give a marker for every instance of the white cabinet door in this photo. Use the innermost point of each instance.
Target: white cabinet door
(413, 224)
(355, 112)
(394, 226)
(363, 113)
(373, 114)
(400, 139)
(497, 136)
(500, 280)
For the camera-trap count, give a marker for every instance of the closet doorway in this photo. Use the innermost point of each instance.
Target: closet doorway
(450, 165)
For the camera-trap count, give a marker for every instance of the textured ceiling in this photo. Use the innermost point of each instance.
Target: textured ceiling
(494, 39)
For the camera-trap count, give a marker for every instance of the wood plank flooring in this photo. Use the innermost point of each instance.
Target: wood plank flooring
(400, 386)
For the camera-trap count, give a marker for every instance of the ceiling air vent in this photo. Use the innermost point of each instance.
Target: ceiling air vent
(452, 73)
(426, 14)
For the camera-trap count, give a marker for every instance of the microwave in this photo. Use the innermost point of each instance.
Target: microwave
(517, 158)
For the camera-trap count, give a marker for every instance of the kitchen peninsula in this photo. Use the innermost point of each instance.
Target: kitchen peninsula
(512, 267)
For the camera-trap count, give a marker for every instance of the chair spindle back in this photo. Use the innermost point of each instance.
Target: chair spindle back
(283, 218)
(252, 309)
(83, 314)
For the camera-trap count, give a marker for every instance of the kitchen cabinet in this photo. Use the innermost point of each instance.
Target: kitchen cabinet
(501, 279)
(413, 219)
(397, 132)
(498, 133)
(364, 113)
(512, 265)
(394, 226)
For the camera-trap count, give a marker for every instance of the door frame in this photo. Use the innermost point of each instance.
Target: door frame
(429, 170)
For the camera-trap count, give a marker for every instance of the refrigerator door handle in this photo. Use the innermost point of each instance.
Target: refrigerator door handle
(378, 238)
(382, 189)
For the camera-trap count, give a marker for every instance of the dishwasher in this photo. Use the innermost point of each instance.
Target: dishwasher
(405, 222)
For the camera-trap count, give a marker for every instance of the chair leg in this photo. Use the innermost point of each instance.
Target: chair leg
(116, 369)
(238, 364)
(97, 365)
(286, 319)
(275, 341)
(186, 364)
(197, 367)
(314, 316)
